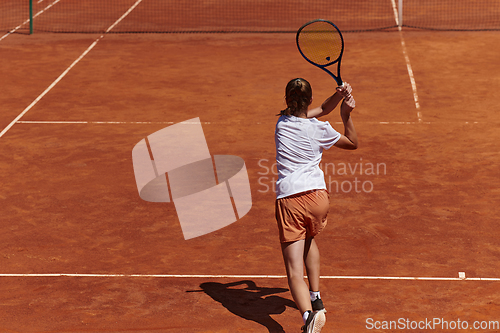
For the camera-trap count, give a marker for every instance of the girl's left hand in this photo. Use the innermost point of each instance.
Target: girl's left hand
(345, 92)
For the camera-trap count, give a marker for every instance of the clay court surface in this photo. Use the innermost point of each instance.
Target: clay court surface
(69, 202)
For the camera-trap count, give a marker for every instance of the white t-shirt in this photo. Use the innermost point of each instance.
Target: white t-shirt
(299, 147)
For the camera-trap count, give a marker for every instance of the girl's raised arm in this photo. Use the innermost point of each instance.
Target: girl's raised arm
(331, 102)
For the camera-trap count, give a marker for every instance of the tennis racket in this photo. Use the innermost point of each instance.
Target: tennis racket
(321, 43)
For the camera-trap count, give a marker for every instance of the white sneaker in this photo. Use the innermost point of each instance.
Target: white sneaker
(314, 322)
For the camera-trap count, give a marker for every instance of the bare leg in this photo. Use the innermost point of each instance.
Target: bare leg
(293, 255)
(311, 258)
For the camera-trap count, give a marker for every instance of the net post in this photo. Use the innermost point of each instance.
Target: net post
(400, 13)
(31, 17)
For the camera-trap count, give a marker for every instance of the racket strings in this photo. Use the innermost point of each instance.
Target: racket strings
(321, 43)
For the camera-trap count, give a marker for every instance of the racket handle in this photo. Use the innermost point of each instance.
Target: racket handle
(342, 85)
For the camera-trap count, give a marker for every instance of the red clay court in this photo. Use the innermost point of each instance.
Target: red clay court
(413, 207)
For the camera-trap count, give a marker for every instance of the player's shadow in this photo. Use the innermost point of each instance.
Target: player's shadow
(246, 300)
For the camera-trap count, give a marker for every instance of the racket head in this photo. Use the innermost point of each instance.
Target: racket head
(320, 42)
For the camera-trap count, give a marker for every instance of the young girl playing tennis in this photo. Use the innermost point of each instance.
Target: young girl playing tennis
(302, 201)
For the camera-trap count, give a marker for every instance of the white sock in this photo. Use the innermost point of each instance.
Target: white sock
(314, 295)
(305, 316)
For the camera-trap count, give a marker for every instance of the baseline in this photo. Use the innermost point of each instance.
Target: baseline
(461, 276)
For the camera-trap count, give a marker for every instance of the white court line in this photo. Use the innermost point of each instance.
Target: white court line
(408, 63)
(223, 276)
(83, 122)
(115, 122)
(28, 20)
(46, 91)
(209, 122)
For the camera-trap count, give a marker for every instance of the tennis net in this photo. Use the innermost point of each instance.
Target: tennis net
(14, 14)
(95, 16)
(452, 14)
